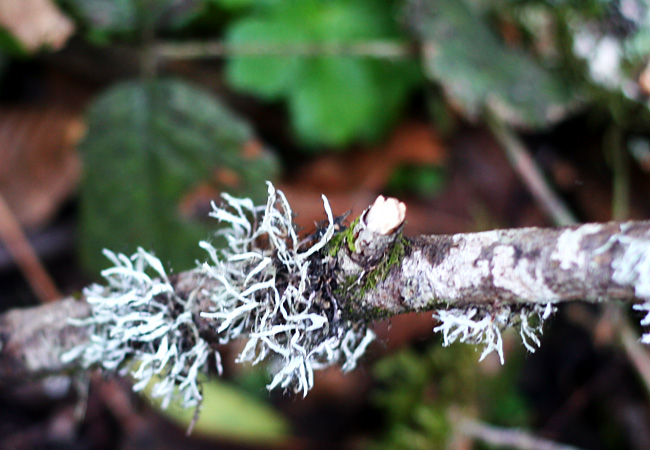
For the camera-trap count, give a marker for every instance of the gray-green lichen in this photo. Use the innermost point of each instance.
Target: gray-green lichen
(276, 296)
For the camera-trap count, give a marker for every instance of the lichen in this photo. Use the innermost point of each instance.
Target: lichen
(484, 325)
(141, 327)
(269, 290)
(645, 338)
(275, 296)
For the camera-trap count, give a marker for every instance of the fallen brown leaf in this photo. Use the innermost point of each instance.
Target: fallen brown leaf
(370, 169)
(352, 181)
(39, 166)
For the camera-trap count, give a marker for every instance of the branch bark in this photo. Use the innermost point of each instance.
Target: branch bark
(591, 262)
(33, 340)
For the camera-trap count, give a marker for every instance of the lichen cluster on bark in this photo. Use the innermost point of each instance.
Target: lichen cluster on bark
(308, 302)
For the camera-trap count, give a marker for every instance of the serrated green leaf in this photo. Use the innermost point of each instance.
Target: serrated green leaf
(477, 69)
(147, 146)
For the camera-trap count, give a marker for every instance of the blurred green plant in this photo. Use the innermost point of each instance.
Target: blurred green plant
(418, 390)
(333, 100)
(148, 146)
(477, 69)
(11, 46)
(424, 181)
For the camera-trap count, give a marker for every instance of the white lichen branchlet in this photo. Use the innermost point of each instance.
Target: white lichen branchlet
(140, 326)
(484, 325)
(271, 295)
(645, 321)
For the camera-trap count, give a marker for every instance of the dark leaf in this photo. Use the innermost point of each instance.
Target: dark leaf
(477, 69)
(154, 153)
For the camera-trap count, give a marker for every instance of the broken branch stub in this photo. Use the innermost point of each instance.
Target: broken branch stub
(378, 227)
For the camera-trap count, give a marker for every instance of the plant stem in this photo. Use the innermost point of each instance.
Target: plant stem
(220, 49)
(525, 266)
(621, 174)
(529, 172)
(13, 236)
(507, 437)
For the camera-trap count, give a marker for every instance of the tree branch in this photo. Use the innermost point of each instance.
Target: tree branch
(308, 302)
(590, 262)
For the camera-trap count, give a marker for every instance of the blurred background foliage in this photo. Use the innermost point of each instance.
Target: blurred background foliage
(149, 109)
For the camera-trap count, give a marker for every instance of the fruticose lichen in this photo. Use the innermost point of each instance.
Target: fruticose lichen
(140, 326)
(274, 296)
(269, 291)
(484, 325)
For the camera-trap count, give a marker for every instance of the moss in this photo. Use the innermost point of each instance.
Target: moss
(335, 244)
(395, 256)
(353, 289)
(379, 313)
(344, 237)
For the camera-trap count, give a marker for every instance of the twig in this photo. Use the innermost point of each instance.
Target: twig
(635, 352)
(308, 302)
(528, 171)
(220, 49)
(507, 437)
(18, 245)
(621, 174)
(525, 166)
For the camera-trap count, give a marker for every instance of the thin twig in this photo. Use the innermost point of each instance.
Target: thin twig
(315, 311)
(634, 351)
(621, 172)
(528, 171)
(220, 49)
(627, 336)
(18, 245)
(508, 437)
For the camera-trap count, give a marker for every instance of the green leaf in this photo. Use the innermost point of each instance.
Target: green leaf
(227, 412)
(266, 76)
(422, 180)
(477, 69)
(333, 100)
(148, 146)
